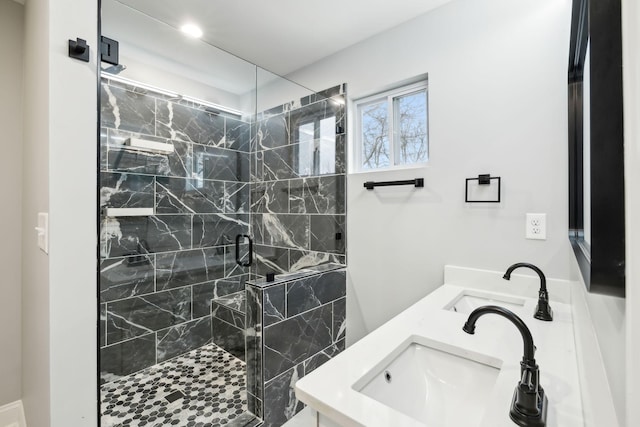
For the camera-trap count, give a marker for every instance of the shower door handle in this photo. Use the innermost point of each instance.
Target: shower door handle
(240, 237)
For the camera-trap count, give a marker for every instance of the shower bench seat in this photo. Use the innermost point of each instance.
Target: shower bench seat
(228, 323)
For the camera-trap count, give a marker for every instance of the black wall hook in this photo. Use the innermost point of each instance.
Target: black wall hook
(79, 49)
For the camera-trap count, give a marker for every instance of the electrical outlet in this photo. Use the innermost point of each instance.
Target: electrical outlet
(536, 226)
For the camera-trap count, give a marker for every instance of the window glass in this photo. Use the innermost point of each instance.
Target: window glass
(411, 117)
(392, 129)
(375, 135)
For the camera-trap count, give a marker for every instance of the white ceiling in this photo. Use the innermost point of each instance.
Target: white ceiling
(285, 35)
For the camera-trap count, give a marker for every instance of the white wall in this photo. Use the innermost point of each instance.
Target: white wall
(631, 60)
(59, 291)
(498, 104)
(35, 198)
(73, 212)
(607, 315)
(11, 37)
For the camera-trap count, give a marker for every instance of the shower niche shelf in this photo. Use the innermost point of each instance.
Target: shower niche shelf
(117, 212)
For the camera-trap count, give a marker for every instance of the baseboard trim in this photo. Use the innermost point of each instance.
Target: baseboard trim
(12, 415)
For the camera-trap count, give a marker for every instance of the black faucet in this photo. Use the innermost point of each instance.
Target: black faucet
(529, 404)
(543, 311)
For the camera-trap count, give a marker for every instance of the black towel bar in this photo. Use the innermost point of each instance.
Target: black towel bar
(417, 182)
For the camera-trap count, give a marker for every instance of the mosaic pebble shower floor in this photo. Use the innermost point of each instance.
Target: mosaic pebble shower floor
(203, 388)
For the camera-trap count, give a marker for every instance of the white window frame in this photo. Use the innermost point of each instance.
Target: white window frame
(359, 104)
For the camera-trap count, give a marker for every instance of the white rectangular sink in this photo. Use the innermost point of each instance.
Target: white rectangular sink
(434, 383)
(470, 299)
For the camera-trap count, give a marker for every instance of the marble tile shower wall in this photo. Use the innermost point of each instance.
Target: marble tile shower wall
(298, 183)
(293, 327)
(159, 273)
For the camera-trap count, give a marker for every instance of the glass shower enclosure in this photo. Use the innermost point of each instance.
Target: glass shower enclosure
(214, 174)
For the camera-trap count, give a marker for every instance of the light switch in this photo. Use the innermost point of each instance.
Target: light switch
(43, 231)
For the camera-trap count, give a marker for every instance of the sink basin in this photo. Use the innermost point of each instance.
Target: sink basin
(434, 383)
(469, 300)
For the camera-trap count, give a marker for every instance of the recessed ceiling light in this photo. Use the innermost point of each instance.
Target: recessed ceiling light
(192, 30)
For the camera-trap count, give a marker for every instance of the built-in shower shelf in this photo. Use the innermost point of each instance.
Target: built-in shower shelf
(147, 145)
(114, 212)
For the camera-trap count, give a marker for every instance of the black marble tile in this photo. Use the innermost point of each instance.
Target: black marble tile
(104, 135)
(323, 356)
(140, 315)
(322, 195)
(294, 340)
(254, 405)
(296, 196)
(228, 337)
(204, 293)
(290, 231)
(270, 197)
(254, 341)
(299, 260)
(178, 163)
(274, 304)
(218, 229)
(122, 159)
(328, 233)
(214, 163)
(179, 122)
(269, 259)
(226, 314)
(121, 190)
(273, 131)
(126, 110)
(280, 401)
(230, 285)
(257, 166)
(340, 112)
(311, 292)
(138, 235)
(236, 197)
(235, 302)
(183, 338)
(185, 195)
(341, 155)
(177, 269)
(237, 135)
(126, 277)
(244, 420)
(284, 162)
(232, 268)
(257, 230)
(305, 159)
(102, 326)
(127, 357)
(339, 319)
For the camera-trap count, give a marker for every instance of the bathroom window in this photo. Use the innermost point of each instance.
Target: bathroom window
(392, 129)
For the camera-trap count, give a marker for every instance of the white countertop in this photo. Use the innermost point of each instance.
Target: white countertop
(329, 389)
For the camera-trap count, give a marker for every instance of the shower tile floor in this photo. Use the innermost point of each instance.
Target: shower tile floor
(203, 388)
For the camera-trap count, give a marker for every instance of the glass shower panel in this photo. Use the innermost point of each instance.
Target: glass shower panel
(298, 178)
(176, 131)
(213, 173)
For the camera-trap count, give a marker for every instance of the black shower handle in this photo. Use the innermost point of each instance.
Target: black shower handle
(240, 237)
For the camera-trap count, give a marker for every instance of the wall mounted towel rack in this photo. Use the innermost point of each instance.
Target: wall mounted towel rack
(417, 182)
